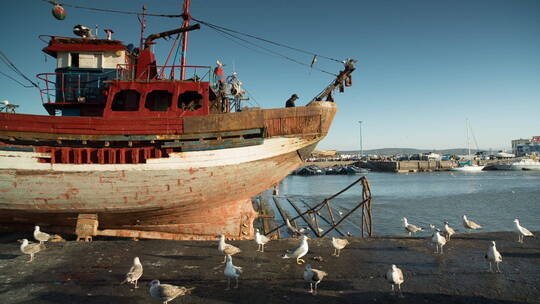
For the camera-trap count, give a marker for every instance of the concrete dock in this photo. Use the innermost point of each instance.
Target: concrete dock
(71, 272)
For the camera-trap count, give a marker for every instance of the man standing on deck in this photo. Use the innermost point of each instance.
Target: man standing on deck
(290, 101)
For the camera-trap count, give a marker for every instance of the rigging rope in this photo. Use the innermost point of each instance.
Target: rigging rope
(22, 84)
(266, 40)
(12, 66)
(268, 50)
(110, 10)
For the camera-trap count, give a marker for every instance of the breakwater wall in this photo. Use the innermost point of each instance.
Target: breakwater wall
(409, 166)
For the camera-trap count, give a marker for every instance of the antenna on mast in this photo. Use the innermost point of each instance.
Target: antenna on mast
(185, 24)
(142, 21)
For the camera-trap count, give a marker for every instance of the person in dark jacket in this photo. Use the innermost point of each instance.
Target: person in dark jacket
(290, 101)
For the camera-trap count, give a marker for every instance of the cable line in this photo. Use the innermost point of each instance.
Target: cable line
(22, 84)
(111, 11)
(12, 66)
(268, 41)
(268, 50)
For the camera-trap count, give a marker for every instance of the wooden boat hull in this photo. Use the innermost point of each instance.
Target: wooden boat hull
(186, 195)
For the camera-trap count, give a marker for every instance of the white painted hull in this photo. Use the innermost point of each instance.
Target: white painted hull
(468, 169)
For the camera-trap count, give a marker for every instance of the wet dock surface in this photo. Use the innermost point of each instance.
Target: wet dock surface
(71, 272)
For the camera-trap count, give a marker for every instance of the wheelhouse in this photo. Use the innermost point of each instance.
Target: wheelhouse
(105, 78)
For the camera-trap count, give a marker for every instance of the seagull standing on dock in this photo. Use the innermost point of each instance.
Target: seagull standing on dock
(493, 256)
(410, 227)
(30, 248)
(313, 276)
(167, 292)
(42, 237)
(522, 231)
(261, 240)
(468, 224)
(227, 249)
(134, 273)
(439, 241)
(338, 245)
(449, 230)
(231, 271)
(394, 276)
(299, 252)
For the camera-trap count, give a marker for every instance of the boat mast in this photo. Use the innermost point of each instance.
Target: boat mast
(468, 139)
(185, 24)
(142, 20)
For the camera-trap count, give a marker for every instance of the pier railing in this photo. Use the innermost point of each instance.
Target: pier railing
(312, 215)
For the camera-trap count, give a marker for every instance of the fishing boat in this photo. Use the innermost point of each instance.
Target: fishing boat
(135, 149)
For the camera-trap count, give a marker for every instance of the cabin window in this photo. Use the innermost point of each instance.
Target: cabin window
(126, 100)
(75, 60)
(158, 101)
(190, 101)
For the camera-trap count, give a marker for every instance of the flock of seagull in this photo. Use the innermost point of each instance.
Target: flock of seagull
(394, 276)
(439, 240)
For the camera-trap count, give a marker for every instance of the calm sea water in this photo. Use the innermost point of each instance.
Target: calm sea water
(492, 198)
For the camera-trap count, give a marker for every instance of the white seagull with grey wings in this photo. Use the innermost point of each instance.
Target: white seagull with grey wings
(410, 227)
(261, 240)
(522, 231)
(449, 230)
(299, 252)
(439, 241)
(395, 277)
(231, 271)
(40, 236)
(493, 256)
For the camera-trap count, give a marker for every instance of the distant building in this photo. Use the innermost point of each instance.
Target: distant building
(522, 147)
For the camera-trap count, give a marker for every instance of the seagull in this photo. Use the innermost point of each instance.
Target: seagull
(439, 241)
(493, 255)
(449, 230)
(394, 276)
(313, 276)
(468, 224)
(261, 240)
(338, 245)
(293, 230)
(167, 292)
(522, 231)
(231, 271)
(134, 273)
(410, 227)
(227, 249)
(30, 248)
(42, 237)
(299, 252)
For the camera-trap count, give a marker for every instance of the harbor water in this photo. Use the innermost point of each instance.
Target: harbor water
(493, 199)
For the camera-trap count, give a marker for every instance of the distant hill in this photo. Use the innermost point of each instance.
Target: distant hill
(394, 151)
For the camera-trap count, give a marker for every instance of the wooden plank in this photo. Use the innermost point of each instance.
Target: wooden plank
(222, 122)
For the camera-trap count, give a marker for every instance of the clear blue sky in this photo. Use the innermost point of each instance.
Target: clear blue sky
(424, 66)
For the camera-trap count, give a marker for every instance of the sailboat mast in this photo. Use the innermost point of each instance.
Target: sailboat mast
(185, 24)
(468, 139)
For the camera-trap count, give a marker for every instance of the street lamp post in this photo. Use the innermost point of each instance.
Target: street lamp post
(361, 148)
